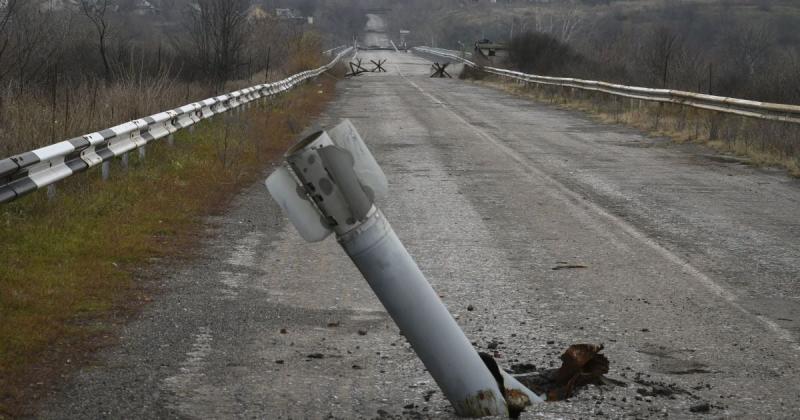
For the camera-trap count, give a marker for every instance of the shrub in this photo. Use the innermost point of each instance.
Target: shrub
(541, 53)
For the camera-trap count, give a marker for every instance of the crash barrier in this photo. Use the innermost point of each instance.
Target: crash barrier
(330, 184)
(43, 167)
(334, 49)
(742, 107)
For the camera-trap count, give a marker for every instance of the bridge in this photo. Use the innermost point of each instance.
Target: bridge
(538, 226)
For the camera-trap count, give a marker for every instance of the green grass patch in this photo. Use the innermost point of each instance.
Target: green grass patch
(66, 264)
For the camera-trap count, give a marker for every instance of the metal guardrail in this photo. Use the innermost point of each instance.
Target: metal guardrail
(742, 107)
(332, 50)
(30, 171)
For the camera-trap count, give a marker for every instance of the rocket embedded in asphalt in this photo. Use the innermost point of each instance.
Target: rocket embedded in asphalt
(330, 184)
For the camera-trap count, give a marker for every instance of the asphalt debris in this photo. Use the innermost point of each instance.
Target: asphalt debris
(700, 408)
(569, 266)
(427, 396)
(519, 368)
(658, 389)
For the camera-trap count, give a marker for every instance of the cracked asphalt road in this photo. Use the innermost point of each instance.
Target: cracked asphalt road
(690, 278)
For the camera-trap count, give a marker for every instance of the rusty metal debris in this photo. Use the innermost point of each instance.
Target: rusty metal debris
(582, 364)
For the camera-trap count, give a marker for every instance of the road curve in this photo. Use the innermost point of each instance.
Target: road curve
(689, 279)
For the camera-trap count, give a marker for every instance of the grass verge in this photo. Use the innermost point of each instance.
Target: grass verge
(758, 142)
(70, 267)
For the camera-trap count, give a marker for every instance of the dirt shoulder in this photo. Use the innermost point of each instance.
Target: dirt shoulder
(75, 269)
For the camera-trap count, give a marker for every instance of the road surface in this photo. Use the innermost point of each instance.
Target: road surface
(690, 279)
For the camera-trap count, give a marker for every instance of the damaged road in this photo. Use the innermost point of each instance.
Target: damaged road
(684, 269)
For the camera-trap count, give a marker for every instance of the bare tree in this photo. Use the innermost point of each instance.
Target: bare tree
(219, 33)
(570, 22)
(658, 53)
(6, 16)
(341, 19)
(168, 8)
(749, 45)
(28, 39)
(541, 53)
(96, 10)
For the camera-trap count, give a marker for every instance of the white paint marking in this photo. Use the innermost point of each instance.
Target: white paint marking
(707, 282)
(190, 375)
(244, 251)
(242, 255)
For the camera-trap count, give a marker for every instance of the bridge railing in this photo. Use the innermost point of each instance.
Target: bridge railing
(334, 49)
(742, 107)
(24, 173)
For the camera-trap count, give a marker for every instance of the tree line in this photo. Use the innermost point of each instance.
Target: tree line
(68, 67)
(210, 40)
(742, 48)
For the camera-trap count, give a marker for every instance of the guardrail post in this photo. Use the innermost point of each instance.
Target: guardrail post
(171, 139)
(366, 236)
(125, 160)
(191, 128)
(142, 151)
(51, 192)
(105, 170)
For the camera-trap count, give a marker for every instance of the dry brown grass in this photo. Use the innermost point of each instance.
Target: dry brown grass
(32, 118)
(36, 117)
(764, 143)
